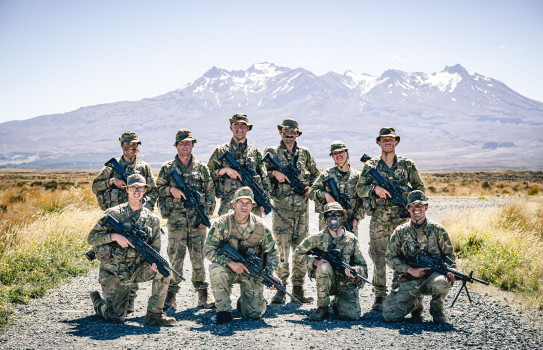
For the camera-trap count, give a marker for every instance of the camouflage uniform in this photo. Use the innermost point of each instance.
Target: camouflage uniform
(121, 267)
(293, 207)
(407, 291)
(181, 220)
(328, 281)
(256, 235)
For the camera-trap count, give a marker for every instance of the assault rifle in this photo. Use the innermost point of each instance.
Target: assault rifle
(443, 267)
(365, 158)
(254, 264)
(192, 198)
(247, 179)
(336, 262)
(124, 176)
(290, 172)
(395, 189)
(344, 199)
(136, 236)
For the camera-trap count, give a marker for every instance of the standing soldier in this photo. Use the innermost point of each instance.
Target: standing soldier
(343, 285)
(385, 215)
(185, 229)
(244, 232)
(345, 179)
(108, 185)
(121, 265)
(227, 180)
(294, 205)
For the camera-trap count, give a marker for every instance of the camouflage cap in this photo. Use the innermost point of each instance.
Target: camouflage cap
(129, 136)
(241, 118)
(136, 180)
(387, 131)
(416, 196)
(289, 124)
(337, 146)
(183, 135)
(334, 206)
(244, 192)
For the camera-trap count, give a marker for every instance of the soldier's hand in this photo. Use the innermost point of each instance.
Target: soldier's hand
(418, 272)
(231, 173)
(451, 277)
(117, 182)
(355, 223)
(121, 240)
(381, 192)
(272, 287)
(329, 198)
(318, 262)
(279, 176)
(306, 194)
(263, 211)
(237, 267)
(177, 193)
(349, 274)
(154, 268)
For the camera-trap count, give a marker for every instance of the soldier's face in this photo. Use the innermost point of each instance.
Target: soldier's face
(130, 149)
(136, 192)
(239, 130)
(184, 148)
(288, 136)
(388, 144)
(333, 220)
(417, 211)
(340, 157)
(243, 207)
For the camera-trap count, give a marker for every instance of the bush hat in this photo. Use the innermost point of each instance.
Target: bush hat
(183, 135)
(416, 196)
(337, 146)
(241, 118)
(387, 131)
(129, 136)
(244, 192)
(136, 180)
(334, 206)
(289, 124)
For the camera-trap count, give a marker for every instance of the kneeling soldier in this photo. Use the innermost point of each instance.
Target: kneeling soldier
(329, 282)
(410, 284)
(243, 231)
(121, 265)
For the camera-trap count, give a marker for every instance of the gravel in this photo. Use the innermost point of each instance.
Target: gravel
(64, 318)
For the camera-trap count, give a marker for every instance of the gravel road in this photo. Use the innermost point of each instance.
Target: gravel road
(64, 318)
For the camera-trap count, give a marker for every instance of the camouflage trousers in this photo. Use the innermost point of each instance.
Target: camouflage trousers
(408, 296)
(253, 304)
(381, 228)
(288, 235)
(182, 236)
(346, 292)
(116, 292)
(226, 205)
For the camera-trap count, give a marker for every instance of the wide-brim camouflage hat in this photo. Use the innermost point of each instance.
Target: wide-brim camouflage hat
(136, 180)
(244, 192)
(289, 124)
(416, 196)
(387, 131)
(334, 206)
(129, 137)
(241, 118)
(183, 135)
(337, 146)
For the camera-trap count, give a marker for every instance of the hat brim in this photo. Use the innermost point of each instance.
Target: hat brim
(397, 138)
(280, 127)
(339, 150)
(232, 121)
(187, 139)
(421, 202)
(241, 197)
(148, 187)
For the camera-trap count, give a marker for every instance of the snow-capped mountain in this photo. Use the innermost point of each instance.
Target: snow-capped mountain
(450, 120)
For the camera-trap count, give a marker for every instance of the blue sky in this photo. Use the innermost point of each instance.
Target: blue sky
(59, 55)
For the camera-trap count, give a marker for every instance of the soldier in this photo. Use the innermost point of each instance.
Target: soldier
(108, 185)
(410, 284)
(182, 233)
(121, 265)
(345, 287)
(227, 180)
(243, 231)
(294, 207)
(345, 178)
(385, 216)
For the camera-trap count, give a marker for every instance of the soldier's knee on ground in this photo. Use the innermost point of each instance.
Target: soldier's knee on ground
(349, 305)
(253, 304)
(393, 309)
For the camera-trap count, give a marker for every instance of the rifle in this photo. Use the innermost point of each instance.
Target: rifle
(395, 189)
(443, 267)
(124, 176)
(336, 262)
(136, 236)
(254, 264)
(344, 199)
(192, 198)
(247, 175)
(290, 172)
(365, 158)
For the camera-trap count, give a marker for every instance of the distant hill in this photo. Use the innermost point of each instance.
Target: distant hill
(450, 120)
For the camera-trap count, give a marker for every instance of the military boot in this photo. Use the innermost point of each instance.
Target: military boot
(130, 306)
(278, 298)
(221, 317)
(320, 314)
(202, 299)
(158, 319)
(378, 304)
(438, 315)
(298, 293)
(170, 302)
(416, 314)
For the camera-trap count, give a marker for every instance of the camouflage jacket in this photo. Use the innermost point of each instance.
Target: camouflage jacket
(196, 175)
(410, 240)
(406, 173)
(226, 230)
(346, 184)
(282, 193)
(111, 196)
(347, 244)
(244, 154)
(123, 261)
